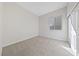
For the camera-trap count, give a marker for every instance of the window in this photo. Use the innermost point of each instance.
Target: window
(55, 23)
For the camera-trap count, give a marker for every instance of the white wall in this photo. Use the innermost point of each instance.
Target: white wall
(55, 34)
(72, 36)
(0, 28)
(18, 24)
(72, 27)
(70, 6)
(78, 33)
(77, 40)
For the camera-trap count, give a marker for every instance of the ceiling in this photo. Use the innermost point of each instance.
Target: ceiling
(40, 8)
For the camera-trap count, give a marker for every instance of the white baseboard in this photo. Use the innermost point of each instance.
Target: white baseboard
(52, 38)
(25, 38)
(0, 51)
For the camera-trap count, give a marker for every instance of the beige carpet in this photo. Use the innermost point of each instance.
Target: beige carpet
(37, 46)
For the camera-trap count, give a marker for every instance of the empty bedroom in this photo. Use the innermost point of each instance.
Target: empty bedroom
(38, 28)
